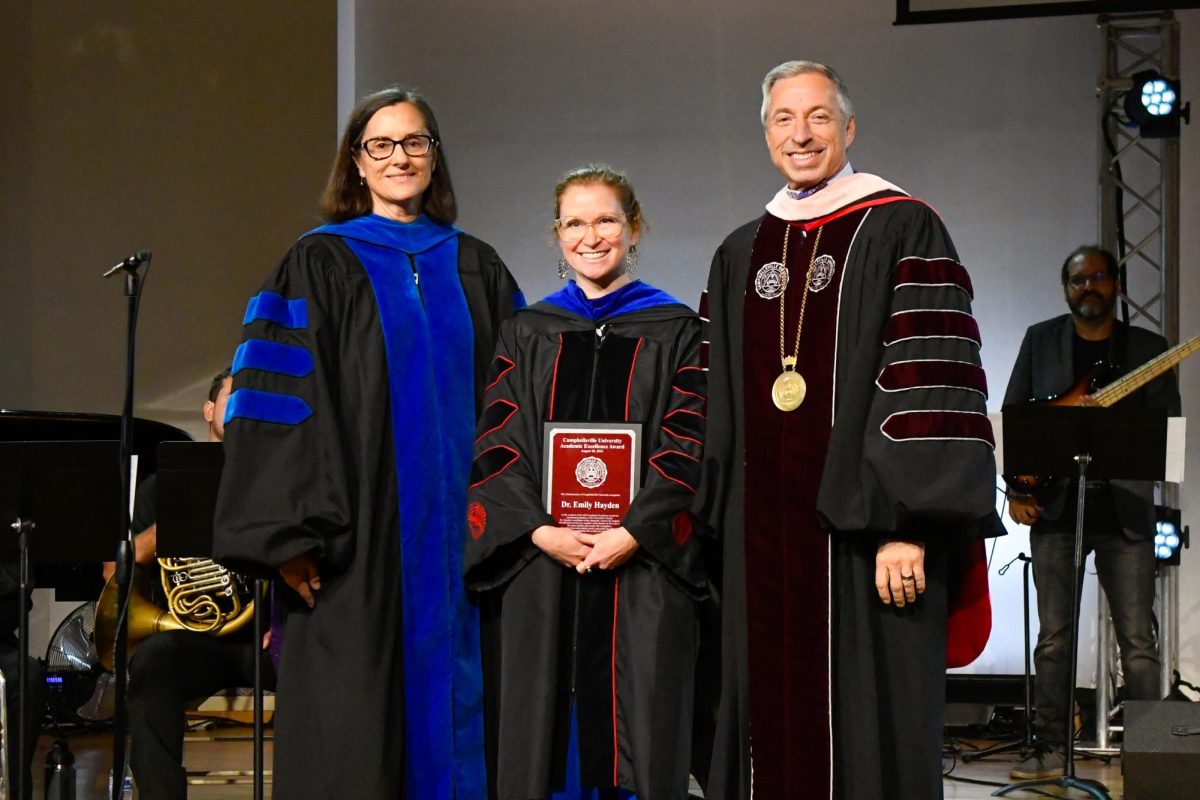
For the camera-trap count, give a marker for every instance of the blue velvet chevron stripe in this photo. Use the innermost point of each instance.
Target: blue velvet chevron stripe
(429, 339)
(284, 409)
(268, 356)
(274, 307)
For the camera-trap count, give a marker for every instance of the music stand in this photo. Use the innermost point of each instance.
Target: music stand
(1092, 442)
(69, 493)
(189, 477)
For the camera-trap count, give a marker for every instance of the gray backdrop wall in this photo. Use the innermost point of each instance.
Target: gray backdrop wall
(204, 131)
(993, 123)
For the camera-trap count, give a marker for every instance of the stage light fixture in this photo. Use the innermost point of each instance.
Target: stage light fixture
(1153, 105)
(1170, 536)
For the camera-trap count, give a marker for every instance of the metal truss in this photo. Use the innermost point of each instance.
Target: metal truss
(1139, 222)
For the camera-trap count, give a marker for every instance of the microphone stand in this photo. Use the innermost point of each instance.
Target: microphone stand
(23, 529)
(125, 550)
(1026, 743)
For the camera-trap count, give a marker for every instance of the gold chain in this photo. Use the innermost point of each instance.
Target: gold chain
(783, 356)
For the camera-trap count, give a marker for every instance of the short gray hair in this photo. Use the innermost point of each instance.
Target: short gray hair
(790, 69)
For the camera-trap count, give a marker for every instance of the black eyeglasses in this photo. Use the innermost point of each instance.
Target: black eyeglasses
(1077, 282)
(381, 147)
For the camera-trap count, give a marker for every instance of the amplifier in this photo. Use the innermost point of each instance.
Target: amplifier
(1161, 759)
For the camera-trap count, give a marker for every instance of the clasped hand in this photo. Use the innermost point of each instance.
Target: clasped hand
(586, 551)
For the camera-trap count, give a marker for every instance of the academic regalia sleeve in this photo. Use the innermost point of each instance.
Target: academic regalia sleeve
(504, 501)
(284, 486)
(719, 329)
(492, 296)
(659, 516)
(927, 447)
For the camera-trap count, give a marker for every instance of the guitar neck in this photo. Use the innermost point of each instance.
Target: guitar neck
(1127, 384)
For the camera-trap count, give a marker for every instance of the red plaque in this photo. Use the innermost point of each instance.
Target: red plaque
(591, 473)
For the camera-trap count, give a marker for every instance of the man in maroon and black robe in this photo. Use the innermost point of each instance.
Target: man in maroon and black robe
(851, 520)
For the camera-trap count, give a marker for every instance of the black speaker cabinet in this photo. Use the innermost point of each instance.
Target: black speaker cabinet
(1161, 759)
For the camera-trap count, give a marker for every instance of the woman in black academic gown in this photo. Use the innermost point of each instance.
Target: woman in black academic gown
(590, 624)
(347, 451)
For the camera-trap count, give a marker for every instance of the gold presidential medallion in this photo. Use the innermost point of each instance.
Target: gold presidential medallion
(789, 389)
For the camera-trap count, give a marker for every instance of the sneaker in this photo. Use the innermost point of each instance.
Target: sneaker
(1043, 763)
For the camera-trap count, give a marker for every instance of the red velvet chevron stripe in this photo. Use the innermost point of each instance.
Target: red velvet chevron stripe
(689, 380)
(501, 366)
(907, 426)
(683, 423)
(677, 466)
(931, 325)
(932, 373)
(496, 416)
(933, 272)
(492, 462)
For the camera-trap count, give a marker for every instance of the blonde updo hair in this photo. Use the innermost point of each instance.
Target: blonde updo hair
(613, 179)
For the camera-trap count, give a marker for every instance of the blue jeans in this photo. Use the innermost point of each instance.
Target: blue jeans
(1126, 572)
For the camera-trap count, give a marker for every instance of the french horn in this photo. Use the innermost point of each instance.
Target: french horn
(201, 596)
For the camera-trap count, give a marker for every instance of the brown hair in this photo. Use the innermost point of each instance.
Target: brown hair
(613, 179)
(345, 196)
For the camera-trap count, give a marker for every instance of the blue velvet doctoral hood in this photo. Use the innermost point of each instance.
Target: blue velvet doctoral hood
(635, 296)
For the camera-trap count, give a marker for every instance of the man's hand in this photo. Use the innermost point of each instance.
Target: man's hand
(145, 547)
(303, 576)
(610, 549)
(900, 571)
(1023, 509)
(566, 546)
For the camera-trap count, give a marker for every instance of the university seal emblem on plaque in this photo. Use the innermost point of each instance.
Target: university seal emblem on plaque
(591, 472)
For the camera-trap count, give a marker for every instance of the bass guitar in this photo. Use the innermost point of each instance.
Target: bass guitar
(1109, 394)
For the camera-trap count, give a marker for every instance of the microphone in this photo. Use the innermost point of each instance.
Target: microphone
(133, 262)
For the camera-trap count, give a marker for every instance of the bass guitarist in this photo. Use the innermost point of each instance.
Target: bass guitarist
(1119, 518)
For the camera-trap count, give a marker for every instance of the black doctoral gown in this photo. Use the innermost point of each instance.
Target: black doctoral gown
(622, 643)
(330, 449)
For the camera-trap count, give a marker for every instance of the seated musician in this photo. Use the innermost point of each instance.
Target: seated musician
(1119, 518)
(173, 668)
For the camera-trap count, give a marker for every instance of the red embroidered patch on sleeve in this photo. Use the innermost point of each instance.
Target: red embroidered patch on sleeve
(476, 519)
(681, 528)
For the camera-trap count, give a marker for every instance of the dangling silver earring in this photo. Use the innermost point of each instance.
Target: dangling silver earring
(631, 260)
(563, 266)
(361, 180)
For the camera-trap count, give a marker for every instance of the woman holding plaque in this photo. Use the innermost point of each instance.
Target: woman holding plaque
(581, 548)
